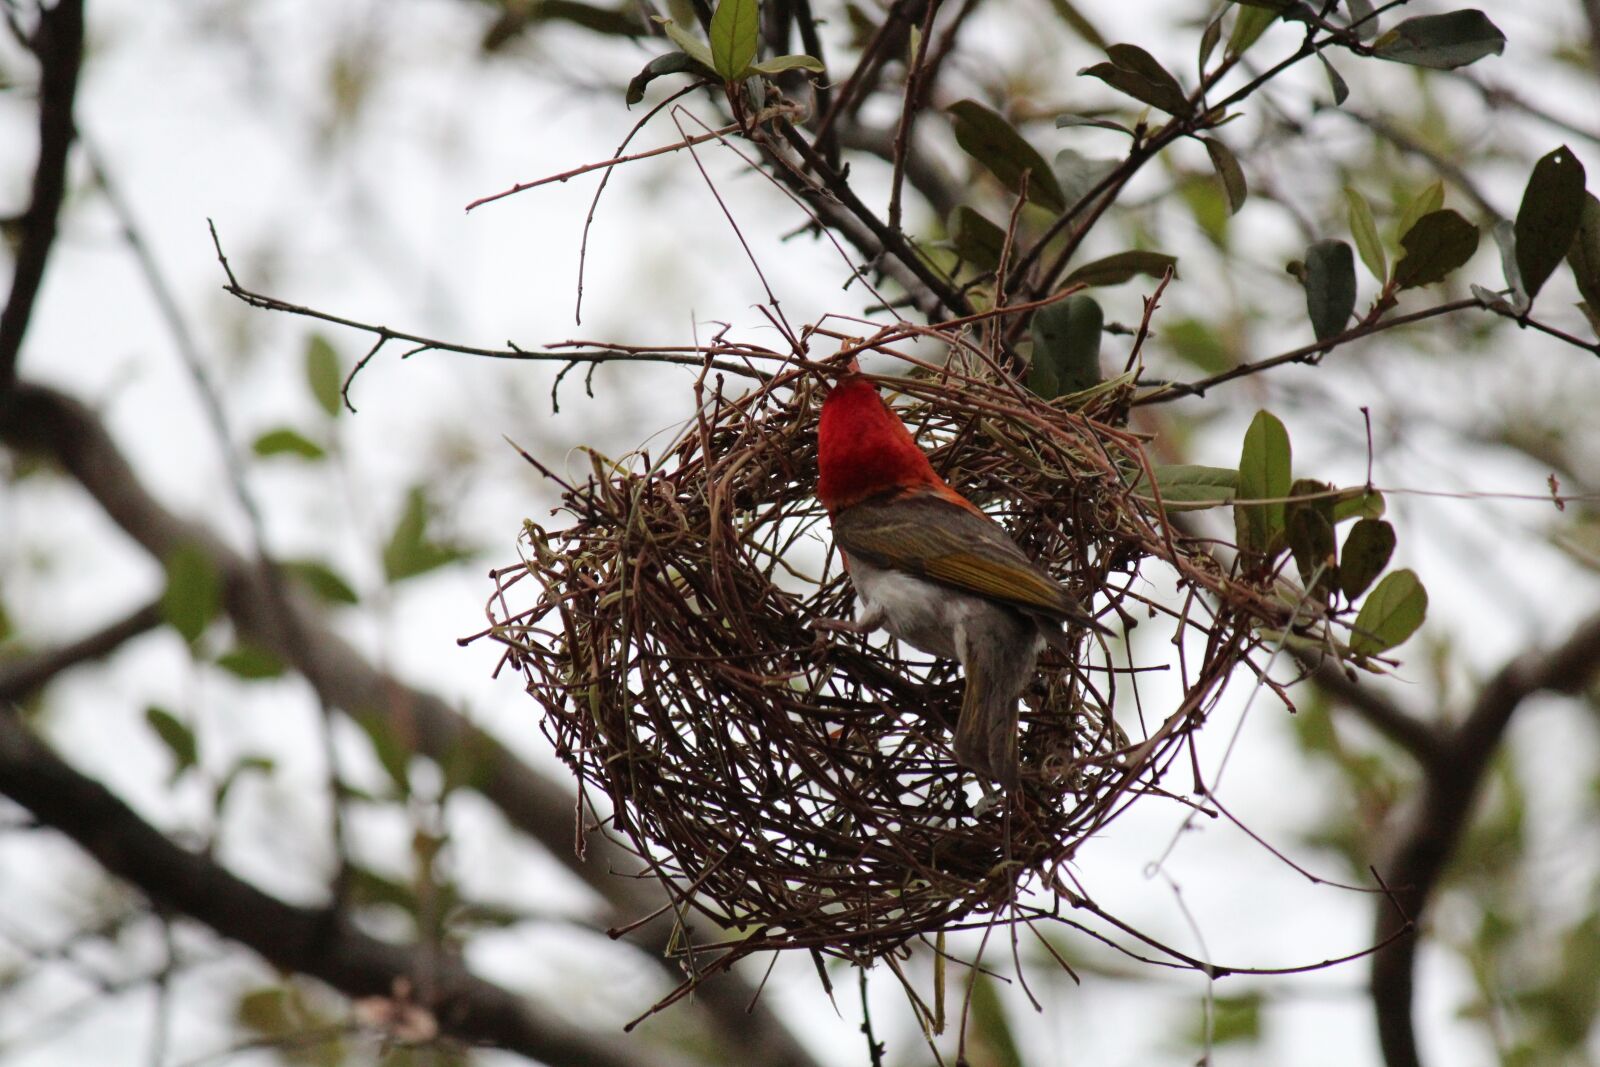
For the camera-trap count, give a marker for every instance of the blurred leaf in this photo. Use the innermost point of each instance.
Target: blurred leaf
(1365, 231)
(1066, 347)
(1584, 257)
(1439, 243)
(1248, 26)
(515, 19)
(1064, 121)
(1077, 175)
(977, 240)
(1135, 72)
(1392, 613)
(1336, 84)
(178, 738)
(392, 751)
(283, 1016)
(1330, 287)
(1189, 486)
(241, 767)
(1362, 19)
(1264, 474)
(193, 594)
(1431, 199)
(779, 64)
(1367, 548)
(1209, 39)
(992, 141)
(251, 663)
(1122, 267)
(734, 37)
(1442, 42)
(1074, 17)
(409, 551)
(1309, 524)
(1228, 169)
(1235, 1020)
(1548, 220)
(1358, 504)
(284, 441)
(323, 374)
(1505, 238)
(990, 1033)
(661, 66)
(1196, 342)
(322, 580)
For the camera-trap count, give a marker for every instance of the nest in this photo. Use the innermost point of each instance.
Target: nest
(794, 787)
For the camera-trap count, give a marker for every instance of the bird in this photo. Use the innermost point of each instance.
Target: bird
(931, 568)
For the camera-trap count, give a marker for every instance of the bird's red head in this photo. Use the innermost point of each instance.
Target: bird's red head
(863, 449)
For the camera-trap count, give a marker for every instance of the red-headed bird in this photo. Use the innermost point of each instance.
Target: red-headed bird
(935, 571)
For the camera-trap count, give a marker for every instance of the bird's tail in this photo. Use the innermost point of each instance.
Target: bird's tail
(998, 665)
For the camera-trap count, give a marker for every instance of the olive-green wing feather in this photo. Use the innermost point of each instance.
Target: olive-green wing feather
(935, 539)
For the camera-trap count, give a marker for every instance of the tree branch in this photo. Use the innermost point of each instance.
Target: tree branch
(315, 942)
(22, 676)
(50, 422)
(1426, 743)
(58, 42)
(1418, 859)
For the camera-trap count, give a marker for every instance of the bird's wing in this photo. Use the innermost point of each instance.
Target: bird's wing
(933, 538)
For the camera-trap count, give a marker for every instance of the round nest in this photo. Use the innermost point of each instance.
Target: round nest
(796, 786)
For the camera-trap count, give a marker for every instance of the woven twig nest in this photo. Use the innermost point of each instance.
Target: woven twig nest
(796, 787)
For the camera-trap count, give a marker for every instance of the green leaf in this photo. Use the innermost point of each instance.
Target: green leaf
(177, 736)
(1363, 18)
(1391, 614)
(976, 239)
(1365, 231)
(1228, 169)
(1264, 475)
(1584, 257)
(1197, 342)
(1439, 243)
(779, 64)
(323, 374)
(251, 663)
(1064, 121)
(691, 45)
(1236, 1020)
(1135, 72)
(1442, 42)
(1189, 486)
(322, 580)
(1358, 503)
(1548, 220)
(991, 140)
(1330, 287)
(1309, 522)
(409, 552)
(1248, 26)
(1066, 347)
(660, 66)
(734, 37)
(1336, 84)
(284, 441)
(1429, 200)
(194, 591)
(1367, 548)
(1122, 267)
(1072, 16)
(1209, 38)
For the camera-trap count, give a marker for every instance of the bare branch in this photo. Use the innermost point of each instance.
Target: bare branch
(1426, 844)
(58, 43)
(25, 675)
(55, 424)
(318, 942)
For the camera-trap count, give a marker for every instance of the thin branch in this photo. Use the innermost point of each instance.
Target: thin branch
(318, 942)
(58, 43)
(25, 675)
